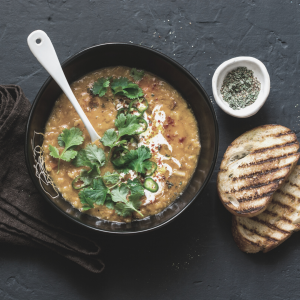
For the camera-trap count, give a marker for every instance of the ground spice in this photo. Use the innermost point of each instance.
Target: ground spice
(240, 88)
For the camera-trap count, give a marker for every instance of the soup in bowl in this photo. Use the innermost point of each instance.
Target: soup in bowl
(158, 147)
(147, 154)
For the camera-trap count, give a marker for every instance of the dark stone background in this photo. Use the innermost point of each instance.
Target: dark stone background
(195, 256)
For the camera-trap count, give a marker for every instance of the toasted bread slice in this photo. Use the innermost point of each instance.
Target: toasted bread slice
(272, 227)
(254, 166)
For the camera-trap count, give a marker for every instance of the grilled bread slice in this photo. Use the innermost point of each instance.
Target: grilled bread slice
(272, 227)
(254, 166)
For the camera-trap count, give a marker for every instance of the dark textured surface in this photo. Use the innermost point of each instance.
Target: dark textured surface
(194, 257)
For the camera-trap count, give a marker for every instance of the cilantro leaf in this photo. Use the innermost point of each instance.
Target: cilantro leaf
(136, 160)
(95, 155)
(122, 86)
(60, 141)
(124, 207)
(123, 210)
(82, 160)
(94, 195)
(68, 155)
(109, 138)
(124, 170)
(119, 194)
(100, 86)
(89, 157)
(54, 151)
(69, 138)
(127, 125)
(140, 164)
(111, 178)
(86, 201)
(109, 203)
(136, 75)
(123, 160)
(120, 121)
(136, 189)
(87, 176)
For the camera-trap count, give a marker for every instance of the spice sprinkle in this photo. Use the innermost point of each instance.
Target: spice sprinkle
(240, 88)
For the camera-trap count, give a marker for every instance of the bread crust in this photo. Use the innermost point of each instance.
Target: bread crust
(254, 166)
(276, 224)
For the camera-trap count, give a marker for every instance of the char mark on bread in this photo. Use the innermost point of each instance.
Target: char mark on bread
(269, 229)
(254, 166)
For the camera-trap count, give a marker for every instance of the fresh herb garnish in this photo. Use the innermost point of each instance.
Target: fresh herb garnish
(108, 202)
(117, 198)
(94, 195)
(86, 201)
(136, 160)
(111, 178)
(69, 138)
(89, 157)
(136, 189)
(127, 125)
(95, 155)
(86, 177)
(123, 87)
(136, 75)
(100, 86)
(110, 138)
(125, 207)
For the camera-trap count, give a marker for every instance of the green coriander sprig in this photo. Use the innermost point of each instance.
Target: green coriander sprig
(68, 139)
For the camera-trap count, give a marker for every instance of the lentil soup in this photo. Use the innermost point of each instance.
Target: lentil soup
(171, 138)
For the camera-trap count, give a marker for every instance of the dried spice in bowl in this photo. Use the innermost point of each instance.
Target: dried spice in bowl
(240, 88)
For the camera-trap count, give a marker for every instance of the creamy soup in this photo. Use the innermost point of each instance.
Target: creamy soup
(171, 137)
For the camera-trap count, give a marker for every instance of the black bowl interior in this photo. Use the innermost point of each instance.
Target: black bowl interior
(147, 59)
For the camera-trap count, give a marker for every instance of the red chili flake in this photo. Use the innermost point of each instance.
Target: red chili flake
(170, 121)
(168, 136)
(156, 99)
(166, 126)
(181, 140)
(158, 121)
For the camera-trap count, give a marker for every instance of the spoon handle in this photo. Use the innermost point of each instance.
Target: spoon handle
(42, 48)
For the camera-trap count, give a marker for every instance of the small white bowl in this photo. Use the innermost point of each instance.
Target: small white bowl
(260, 72)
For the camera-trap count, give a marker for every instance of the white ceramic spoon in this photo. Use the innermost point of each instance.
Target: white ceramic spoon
(42, 48)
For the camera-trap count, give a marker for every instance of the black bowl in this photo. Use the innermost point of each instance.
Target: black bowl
(140, 57)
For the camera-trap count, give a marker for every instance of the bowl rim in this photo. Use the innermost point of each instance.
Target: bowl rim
(259, 102)
(182, 69)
